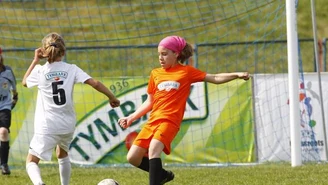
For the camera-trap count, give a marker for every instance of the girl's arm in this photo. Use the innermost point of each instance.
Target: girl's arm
(37, 54)
(221, 78)
(100, 87)
(142, 110)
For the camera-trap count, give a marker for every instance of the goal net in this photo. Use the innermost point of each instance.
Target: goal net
(115, 42)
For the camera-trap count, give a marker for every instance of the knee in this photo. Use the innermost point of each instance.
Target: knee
(154, 153)
(4, 134)
(3, 131)
(130, 159)
(61, 153)
(32, 159)
(133, 159)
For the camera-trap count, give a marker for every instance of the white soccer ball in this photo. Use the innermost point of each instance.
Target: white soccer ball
(108, 182)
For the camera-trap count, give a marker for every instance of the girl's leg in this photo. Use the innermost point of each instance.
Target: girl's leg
(136, 157)
(4, 150)
(144, 165)
(64, 165)
(33, 169)
(157, 175)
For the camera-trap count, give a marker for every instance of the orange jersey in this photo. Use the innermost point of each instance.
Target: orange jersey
(171, 88)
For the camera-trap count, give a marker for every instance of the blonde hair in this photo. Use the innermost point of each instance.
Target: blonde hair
(53, 46)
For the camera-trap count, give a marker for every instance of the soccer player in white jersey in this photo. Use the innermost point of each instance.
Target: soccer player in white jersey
(55, 119)
(7, 103)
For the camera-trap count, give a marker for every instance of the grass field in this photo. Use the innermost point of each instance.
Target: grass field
(271, 174)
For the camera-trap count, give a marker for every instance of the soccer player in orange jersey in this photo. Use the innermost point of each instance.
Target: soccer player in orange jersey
(168, 90)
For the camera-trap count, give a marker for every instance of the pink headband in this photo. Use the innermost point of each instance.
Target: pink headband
(174, 43)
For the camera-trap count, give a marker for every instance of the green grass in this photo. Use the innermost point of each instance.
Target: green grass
(271, 174)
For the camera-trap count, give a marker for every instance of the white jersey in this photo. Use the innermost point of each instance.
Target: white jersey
(55, 113)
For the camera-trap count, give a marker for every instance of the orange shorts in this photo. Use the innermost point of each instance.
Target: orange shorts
(162, 130)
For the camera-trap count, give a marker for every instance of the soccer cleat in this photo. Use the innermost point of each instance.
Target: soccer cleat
(168, 178)
(5, 169)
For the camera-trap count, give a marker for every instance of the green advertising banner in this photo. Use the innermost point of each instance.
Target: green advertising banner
(217, 126)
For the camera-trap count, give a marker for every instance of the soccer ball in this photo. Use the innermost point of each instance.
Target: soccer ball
(108, 182)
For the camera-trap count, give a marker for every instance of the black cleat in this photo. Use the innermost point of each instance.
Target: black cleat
(5, 169)
(168, 178)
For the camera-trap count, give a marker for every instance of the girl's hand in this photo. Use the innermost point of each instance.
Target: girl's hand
(124, 122)
(38, 54)
(114, 102)
(243, 75)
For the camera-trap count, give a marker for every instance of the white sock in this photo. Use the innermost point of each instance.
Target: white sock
(64, 170)
(34, 173)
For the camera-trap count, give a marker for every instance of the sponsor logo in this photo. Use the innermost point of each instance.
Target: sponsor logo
(168, 85)
(56, 75)
(5, 85)
(99, 132)
(309, 140)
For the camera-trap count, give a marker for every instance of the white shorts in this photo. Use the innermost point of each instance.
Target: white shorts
(43, 145)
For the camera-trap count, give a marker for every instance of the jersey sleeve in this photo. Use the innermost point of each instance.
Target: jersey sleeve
(196, 75)
(14, 83)
(80, 76)
(33, 79)
(151, 84)
(11, 78)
